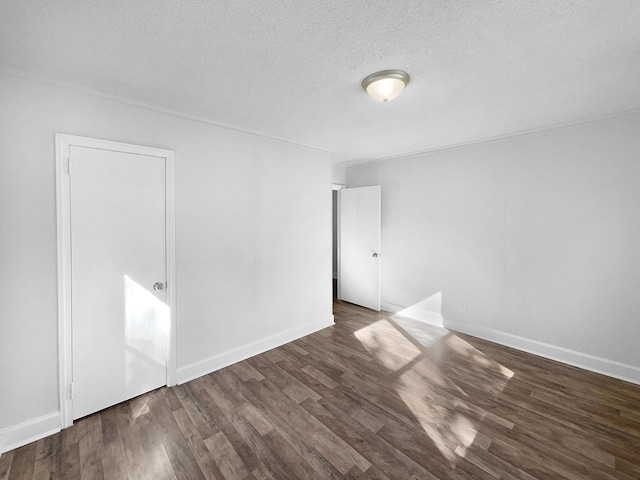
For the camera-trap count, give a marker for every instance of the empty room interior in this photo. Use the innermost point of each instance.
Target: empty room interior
(339, 239)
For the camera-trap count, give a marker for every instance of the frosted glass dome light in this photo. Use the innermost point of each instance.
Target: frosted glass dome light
(385, 85)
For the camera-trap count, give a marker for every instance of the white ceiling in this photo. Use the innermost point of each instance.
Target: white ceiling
(292, 69)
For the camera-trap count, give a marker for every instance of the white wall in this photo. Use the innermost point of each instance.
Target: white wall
(538, 234)
(253, 236)
(339, 175)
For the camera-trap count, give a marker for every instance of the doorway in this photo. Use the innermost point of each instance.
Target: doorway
(116, 272)
(335, 235)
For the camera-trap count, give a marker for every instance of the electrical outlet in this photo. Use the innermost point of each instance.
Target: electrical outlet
(463, 306)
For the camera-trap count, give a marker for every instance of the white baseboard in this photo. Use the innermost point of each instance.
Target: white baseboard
(21, 434)
(211, 364)
(18, 435)
(415, 313)
(604, 366)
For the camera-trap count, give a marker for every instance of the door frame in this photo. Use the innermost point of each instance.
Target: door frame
(63, 144)
(337, 187)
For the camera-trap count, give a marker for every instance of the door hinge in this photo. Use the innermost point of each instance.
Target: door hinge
(72, 391)
(69, 166)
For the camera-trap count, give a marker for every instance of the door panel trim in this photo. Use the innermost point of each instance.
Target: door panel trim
(63, 144)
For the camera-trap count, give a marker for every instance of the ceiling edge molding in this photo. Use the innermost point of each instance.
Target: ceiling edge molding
(490, 139)
(32, 78)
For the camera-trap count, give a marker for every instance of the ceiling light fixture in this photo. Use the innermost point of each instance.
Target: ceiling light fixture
(385, 85)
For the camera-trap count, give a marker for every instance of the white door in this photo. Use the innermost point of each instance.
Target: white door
(360, 246)
(119, 322)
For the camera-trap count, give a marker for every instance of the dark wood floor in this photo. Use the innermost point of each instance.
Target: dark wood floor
(372, 397)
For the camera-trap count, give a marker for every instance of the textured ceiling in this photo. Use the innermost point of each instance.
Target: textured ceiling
(292, 69)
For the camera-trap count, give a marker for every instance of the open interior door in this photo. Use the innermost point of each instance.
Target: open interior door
(359, 274)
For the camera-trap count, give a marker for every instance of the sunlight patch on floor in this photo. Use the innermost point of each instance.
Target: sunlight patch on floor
(433, 395)
(139, 406)
(383, 341)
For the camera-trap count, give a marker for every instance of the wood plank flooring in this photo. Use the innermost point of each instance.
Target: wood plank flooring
(374, 397)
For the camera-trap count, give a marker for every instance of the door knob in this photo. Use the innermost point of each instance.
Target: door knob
(158, 286)
(375, 255)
